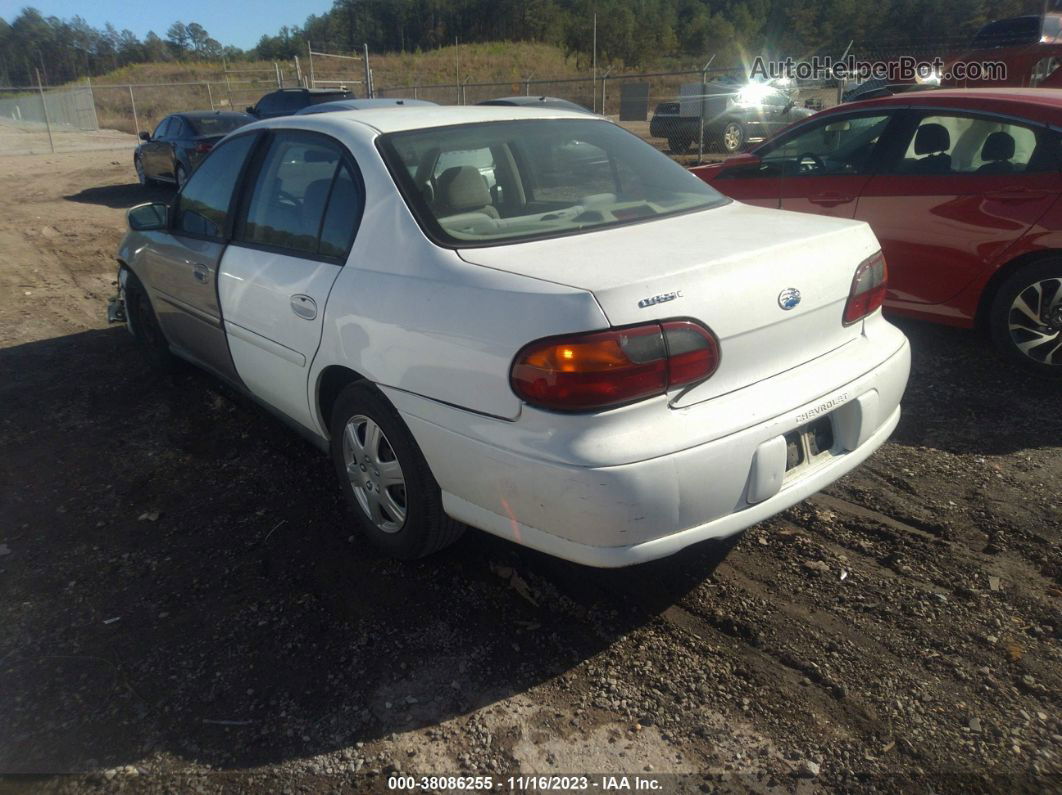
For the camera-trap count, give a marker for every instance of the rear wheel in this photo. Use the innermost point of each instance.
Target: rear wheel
(1026, 318)
(391, 490)
(733, 137)
(145, 325)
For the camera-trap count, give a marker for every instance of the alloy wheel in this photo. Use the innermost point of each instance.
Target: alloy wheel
(1035, 322)
(375, 473)
(140, 175)
(181, 178)
(732, 137)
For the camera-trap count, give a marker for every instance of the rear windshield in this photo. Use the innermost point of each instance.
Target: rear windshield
(332, 96)
(501, 182)
(218, 125)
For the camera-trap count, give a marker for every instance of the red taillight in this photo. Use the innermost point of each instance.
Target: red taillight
(202, 147)
(603, 369)
(868, 289)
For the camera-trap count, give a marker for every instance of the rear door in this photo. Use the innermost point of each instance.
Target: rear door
(180, 267)
(957, 193)
(301, 210)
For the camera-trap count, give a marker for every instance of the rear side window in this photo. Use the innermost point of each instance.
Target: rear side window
(301, 180)
(958, 144)
(203, 204)
(341, 217)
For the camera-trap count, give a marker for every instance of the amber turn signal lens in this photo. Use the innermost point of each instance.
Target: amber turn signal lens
(610, 368)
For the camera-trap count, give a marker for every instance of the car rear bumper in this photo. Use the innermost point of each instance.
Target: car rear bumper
(613, 516)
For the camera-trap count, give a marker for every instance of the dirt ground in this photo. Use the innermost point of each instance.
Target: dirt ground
(183, 606)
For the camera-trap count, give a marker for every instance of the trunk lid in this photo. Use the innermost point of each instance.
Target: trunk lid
(728, 268)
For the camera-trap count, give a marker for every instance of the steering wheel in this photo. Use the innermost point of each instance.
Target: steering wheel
(816, 162)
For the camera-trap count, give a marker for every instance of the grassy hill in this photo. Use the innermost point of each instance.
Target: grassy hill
(192, 85)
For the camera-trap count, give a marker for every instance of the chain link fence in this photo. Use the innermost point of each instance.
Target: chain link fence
(664, 108)
(106, 116)
(668, 109)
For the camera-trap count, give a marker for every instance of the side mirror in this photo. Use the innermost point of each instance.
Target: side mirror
(788, 106)
(145, 135)
(250, 109)
(148, 217)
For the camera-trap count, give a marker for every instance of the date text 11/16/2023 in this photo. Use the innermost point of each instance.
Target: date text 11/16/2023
(601, 783)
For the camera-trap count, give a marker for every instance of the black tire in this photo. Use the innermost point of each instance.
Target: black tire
(733, 137)
(1036, 286)
(145, 325)
(426, 528)
(679, 144)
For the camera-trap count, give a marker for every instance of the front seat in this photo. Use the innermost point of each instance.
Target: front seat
(997, 151)
(933, 141)
(462, 189)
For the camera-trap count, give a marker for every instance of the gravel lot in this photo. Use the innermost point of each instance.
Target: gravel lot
(183, 606)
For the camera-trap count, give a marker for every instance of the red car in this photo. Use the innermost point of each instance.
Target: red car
(960, 186)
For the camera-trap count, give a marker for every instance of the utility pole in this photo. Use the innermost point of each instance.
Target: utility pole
(370, 89)
(44, 107)
(594, 57)
(457, 69)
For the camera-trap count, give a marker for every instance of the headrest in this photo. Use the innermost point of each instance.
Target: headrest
(998, 146)
(932, 138)
(463, 188)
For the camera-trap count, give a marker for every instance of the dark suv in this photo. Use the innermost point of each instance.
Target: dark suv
(286, 101)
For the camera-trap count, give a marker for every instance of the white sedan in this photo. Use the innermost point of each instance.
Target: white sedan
(523, 320)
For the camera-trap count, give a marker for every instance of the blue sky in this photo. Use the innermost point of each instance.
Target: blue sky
(241, 23)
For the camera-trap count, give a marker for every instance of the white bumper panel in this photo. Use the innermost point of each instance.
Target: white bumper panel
(620, 515)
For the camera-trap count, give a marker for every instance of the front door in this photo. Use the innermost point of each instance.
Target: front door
(151, 151)
(181, 264)
(825, 165)
(288, 247)
(952, 201)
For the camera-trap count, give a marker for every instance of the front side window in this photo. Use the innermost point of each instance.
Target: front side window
(956, 144)
(502, 182)
(160, 131)
(204, 201)
(832, 147)
(290, 195)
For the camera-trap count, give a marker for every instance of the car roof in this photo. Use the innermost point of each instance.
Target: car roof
(1038, 103)
(360, 104)
(206, 114)
(312, 90)
(398, 118)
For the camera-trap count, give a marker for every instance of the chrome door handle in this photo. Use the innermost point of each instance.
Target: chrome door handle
(200, 272)
(304, 306)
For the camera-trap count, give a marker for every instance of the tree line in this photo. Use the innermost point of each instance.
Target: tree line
(630, 33)
(637, 33)
(63, 50)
